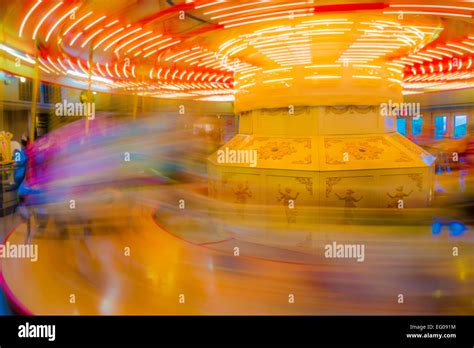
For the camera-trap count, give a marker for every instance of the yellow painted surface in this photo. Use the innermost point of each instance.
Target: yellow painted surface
(162, 267)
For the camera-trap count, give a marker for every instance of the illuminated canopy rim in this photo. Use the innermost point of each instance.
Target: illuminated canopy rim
(158, 52)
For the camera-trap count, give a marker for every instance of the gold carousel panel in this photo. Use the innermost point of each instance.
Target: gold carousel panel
(274, 152)
(347, 191)
(403, 190)
(280, 189)
(290, 198)
(367, 152)
(240, 188)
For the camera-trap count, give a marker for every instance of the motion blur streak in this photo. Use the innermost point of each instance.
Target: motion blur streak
(124, 222)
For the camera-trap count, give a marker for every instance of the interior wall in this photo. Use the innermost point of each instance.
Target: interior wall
(15, 122)
(14, 112)
(445, 98)
(447, 103)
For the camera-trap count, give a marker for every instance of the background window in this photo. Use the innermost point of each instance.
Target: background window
(416, 125)
(402, 125)
(460, 126)
(440, 126)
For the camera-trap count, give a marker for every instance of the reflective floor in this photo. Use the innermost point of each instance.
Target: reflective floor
(7, 223)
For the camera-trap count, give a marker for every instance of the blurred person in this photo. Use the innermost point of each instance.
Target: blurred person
(20, 157)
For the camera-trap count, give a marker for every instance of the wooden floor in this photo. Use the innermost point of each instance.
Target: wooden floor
(167, 275)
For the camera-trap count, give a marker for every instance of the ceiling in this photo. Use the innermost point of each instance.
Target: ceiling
(212, 49)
